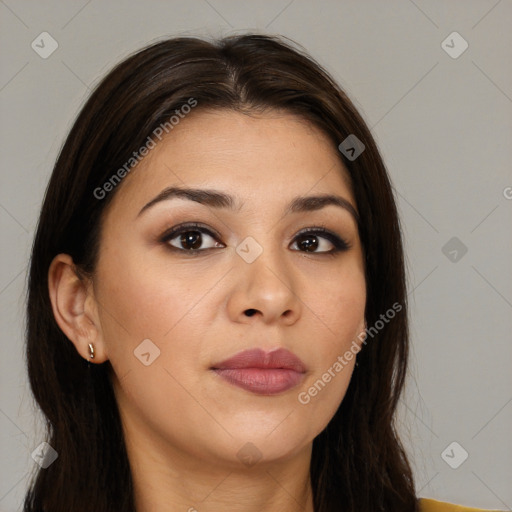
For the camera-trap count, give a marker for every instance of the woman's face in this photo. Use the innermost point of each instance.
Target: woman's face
(171, 306)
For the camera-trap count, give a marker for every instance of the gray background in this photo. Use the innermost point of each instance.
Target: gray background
(444, 126)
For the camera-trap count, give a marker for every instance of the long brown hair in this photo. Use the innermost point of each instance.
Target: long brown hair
(358, 462)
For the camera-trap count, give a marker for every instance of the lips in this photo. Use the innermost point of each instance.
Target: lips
(265, 373)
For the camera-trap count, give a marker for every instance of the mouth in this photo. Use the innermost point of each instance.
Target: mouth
(263, 373)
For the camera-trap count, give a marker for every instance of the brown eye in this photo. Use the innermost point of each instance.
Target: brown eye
(308, 243)
(190, 238)
(318, 241)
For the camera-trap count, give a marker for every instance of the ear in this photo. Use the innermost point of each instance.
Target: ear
(75, 308)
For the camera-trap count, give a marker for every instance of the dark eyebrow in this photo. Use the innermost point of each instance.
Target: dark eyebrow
(216, 199)
(313, 203)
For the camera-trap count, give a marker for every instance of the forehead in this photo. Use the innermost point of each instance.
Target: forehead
(262, 159)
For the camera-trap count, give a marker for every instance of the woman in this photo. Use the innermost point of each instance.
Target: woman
(218, 245)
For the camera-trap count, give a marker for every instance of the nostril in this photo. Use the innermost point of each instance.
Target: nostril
(250, 312)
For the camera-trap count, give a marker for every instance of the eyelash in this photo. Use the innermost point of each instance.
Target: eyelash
(340, 244)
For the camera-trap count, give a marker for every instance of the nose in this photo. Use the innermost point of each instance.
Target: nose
(265, 290)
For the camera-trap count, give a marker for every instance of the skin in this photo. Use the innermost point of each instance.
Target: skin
(183, 424)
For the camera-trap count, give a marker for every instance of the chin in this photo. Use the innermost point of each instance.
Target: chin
(265, 445)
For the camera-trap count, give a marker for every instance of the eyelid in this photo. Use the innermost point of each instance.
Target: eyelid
(339, 242)
(188, 226)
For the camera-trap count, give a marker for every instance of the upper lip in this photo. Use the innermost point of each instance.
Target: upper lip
(258, 358)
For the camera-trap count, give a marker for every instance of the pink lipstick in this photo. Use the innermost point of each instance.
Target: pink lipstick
(264, 373)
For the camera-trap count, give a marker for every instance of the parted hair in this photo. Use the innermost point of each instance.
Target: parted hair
(358, 462)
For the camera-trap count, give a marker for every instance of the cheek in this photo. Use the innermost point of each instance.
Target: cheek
(156, 326)
(142, 300)
(153, 332)
(336, 301)
(337, 310)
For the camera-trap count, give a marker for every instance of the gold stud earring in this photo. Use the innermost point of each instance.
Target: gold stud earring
(91, 350)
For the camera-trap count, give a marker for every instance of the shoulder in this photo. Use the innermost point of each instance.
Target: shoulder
(430, 505)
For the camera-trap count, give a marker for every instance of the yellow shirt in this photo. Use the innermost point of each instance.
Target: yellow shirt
(429, 505)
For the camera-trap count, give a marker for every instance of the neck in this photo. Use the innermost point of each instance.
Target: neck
(167, 480)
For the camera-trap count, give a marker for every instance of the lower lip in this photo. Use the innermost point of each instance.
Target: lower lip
(263, 381)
